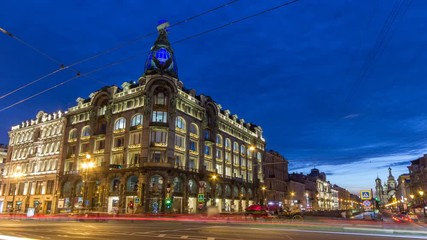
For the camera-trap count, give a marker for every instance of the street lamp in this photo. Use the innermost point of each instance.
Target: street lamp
(263, 188)
(213, 190)
(16, 175)
(86, 166)
(423, 203)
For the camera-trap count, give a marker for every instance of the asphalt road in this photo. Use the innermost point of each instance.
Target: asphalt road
(64, 230)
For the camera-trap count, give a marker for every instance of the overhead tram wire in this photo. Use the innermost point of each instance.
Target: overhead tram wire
(62, 67)
(106, 51)
(146, 52)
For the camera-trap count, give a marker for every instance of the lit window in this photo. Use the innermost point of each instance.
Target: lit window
(208, 150)
(180, 141)
(86, 131)
(159, 116)
(73, 135)
(193, 146)
(236, 147)
(227, 144)
(194, 130)
(136, 120)
(219, 140)
(180, 124)
(158, 137)
(160, 99)
(120, 124)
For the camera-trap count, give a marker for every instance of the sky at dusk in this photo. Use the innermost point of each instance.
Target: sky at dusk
(336, 85)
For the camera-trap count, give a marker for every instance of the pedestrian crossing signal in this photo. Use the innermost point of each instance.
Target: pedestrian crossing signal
(365, 195)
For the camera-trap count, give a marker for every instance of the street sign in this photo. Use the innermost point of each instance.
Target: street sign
(367, 203)
(201, 198)
(136, 200)
(366, 195)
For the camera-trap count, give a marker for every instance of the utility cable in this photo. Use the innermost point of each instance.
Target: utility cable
(106, 51)
(145, 52)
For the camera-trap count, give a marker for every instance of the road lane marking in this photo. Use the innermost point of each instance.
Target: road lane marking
(5, 237)
(184, 237)
(161, 235)
(210, 238)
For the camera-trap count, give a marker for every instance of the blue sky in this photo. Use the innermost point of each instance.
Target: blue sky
(338, 85)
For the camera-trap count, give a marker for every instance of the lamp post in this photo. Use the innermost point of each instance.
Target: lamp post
(422, 201)
(86, 166)
(292, 198)
(16, 176)
(213, 190)
(263, 188)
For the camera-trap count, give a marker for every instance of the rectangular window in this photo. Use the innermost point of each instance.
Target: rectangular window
(133, 158)
(243, 162)
(119, 141)
(100, 145)
(236, 173)
(159, 116)
(244, 175)
(12, 189)
(219, 169)
(39, 186)
(227, 157)
(218, 154)
(250, 177)
(135, 138)
(193, 146)
(84, 147)
(50, 185)
(159, 137)
(208, 150)
(157, 157)
(99, 160)
(192, 163)
(228, 171)
(249, 164)
(179, 160)
(117, 159)
(236, 160)
(21, 189)
(30, 188)
(71, 151)
(180, 141)
(208, 166)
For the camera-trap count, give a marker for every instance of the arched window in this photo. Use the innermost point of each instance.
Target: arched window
(228, 144)
(194, 129)
(218, 190)
(180, 124)
(120, 124)
(132, 184)
(72, 135)
(177, 185)
(236, 147)
(86, 131)
(115, 185)
(218, 140)
(243, 192)
(227, 191)
(156, 184)
(192, 187)
(136, 120)
(249, 193)
(236, 191)
(243, 149)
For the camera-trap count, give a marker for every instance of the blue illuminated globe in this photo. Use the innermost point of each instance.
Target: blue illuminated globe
(162, 55)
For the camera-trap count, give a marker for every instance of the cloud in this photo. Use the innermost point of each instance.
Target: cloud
(351, 116)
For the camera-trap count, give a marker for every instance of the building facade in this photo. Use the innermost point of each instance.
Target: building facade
(154, 146)
(30, 176)
(275, 168)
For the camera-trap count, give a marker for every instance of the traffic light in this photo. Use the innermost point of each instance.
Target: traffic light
(168, 203)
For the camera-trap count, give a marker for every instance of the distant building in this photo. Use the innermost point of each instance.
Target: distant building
(386, 193)
(418, 180)
(30, 176)
(403, 190)
(275, 168)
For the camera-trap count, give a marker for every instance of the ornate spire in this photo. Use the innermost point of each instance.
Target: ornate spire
(161, 59)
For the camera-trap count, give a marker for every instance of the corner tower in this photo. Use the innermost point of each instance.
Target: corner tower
(161, 59)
